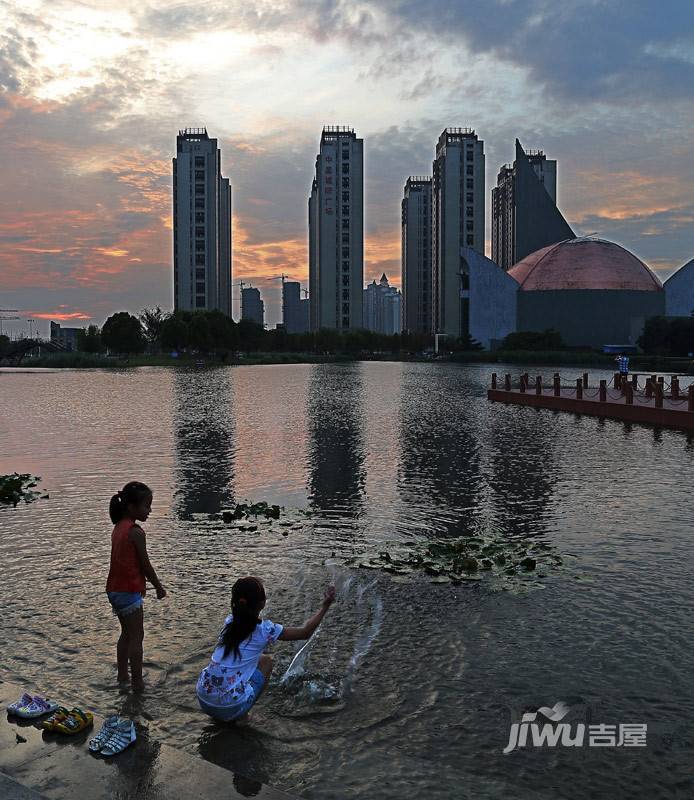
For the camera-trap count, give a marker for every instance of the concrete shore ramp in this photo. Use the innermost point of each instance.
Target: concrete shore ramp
(35, 765)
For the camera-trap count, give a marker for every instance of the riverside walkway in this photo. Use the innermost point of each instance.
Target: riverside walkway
(36, 766)
(650, 399)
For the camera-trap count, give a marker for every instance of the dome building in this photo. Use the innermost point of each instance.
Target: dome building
(592, 291)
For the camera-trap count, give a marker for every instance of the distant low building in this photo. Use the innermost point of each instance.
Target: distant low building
(252, 306)
(305, 314)
(382, 307)
(294, 314)
(679, 292)
(65, 337)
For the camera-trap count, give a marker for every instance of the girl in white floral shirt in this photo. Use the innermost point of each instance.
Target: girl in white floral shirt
(239, 669)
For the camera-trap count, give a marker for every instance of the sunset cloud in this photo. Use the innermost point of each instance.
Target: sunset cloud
(92, 95)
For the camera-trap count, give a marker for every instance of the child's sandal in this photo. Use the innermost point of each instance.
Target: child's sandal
(122, 736)
(76, 721)
(57, 716)
(107, 730)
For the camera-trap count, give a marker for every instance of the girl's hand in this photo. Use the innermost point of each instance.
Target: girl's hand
(329, 597)
(161, 592)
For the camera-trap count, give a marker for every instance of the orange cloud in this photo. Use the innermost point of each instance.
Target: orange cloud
(269, 258)
(382, 254)
(114, 252)
(624, 194)
(60, 316)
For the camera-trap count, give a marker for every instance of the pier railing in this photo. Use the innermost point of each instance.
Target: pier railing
(636, 389)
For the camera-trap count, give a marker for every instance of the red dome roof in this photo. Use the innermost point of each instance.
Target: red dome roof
(584, 264)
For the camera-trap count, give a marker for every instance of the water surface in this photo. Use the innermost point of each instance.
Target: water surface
(410, 687)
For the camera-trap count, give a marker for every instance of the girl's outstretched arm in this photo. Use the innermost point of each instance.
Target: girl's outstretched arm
(307, 629)
(137, 536)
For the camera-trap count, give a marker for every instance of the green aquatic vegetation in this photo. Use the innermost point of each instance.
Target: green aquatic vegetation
(467, 559)
(262, 517)
(17, 487)
(246, 510)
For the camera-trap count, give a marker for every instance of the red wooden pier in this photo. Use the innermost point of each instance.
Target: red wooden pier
(652, 399)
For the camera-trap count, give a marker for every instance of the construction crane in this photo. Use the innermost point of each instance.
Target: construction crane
(4, 318)
(281, 277)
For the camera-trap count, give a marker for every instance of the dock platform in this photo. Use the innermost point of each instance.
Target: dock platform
(654, 400)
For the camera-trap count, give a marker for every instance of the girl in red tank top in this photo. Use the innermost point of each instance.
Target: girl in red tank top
(130, 565)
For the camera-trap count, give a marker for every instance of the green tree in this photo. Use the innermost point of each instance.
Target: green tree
(4, 342)
(122, 333)
(152, 320)
(655, 339)
(89, 340)
(223, 330)
(251, 335)
(533, 340)
(668, 336)
(200, 337)
(175, 334)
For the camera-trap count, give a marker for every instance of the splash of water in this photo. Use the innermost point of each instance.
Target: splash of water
(297, 666)
(364, 643)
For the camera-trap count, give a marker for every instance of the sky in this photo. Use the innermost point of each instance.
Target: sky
(93, 93)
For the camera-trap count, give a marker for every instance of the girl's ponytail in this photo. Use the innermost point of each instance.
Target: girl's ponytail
(133, 492)
(247, 601)
(116, 508)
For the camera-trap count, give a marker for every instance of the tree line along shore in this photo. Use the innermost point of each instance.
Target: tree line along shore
(156, 338)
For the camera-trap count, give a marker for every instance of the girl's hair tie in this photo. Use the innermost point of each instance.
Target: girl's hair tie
(242, 601)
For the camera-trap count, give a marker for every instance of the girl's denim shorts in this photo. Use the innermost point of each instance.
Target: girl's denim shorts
(125, 603)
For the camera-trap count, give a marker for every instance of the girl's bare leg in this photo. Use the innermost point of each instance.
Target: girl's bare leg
(134, 628)
(265, 666)
(122, 653)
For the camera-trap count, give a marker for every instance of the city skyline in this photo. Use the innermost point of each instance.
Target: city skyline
(85, 222)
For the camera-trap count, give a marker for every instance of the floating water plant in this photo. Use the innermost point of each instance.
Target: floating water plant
(254, 516)
(466, 558)
(246, 510)
(17, 487)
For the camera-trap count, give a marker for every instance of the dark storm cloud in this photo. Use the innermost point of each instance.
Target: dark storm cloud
(578, 49)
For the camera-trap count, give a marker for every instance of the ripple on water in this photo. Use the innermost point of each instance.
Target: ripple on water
(378, 453)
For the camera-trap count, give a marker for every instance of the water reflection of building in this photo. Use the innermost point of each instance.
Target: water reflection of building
(336, 440)
(204, 440)
(439, 477)
(522, 471)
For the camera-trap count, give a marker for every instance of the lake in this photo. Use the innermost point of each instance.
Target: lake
(410, 687)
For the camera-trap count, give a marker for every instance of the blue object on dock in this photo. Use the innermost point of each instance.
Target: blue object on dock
(619, 348)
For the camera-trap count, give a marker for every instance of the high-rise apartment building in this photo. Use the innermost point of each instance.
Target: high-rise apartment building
(416, 256)
(252, 306)
(457, 221)
(525, 216)
(336, 232)
(202, 225)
